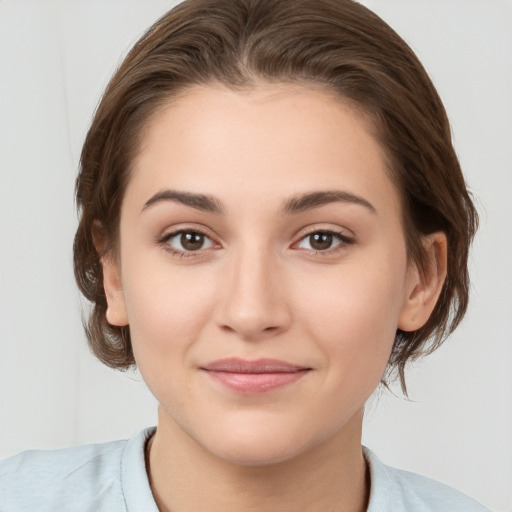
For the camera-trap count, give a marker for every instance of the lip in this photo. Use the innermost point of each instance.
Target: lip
(253, 377)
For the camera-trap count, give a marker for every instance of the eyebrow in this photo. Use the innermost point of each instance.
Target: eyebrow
(202, 202)
(318, 199)
(207, 203)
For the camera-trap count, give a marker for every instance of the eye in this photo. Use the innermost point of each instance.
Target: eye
(323, 241)
(188, 241)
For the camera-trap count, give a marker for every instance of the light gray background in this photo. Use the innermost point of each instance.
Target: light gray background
(55, 59)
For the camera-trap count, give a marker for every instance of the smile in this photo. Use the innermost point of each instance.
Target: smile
(252, 377)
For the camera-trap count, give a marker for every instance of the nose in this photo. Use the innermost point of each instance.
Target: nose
(254, 302)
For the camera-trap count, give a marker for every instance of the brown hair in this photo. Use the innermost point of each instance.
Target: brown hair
(336, 44)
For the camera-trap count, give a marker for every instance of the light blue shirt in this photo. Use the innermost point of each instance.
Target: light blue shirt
(111, 477)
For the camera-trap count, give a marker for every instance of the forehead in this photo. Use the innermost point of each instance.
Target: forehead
(271, 140)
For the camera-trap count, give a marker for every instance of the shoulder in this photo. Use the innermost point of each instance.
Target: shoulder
(84, 478)
(401, 491)
(50, 479)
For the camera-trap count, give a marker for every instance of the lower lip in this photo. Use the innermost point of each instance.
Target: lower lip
(252, 383)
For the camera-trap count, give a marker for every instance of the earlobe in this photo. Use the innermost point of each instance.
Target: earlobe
(116, 308)
(424, 285)
(112, 284)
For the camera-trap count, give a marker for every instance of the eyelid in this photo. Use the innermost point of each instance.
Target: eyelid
(172, 236)
(344, 236)
(164, 239)
(339, 233)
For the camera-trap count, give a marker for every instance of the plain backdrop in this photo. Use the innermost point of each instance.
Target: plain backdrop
(55, 59)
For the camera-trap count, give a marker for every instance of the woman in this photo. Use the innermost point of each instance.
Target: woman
(273, 221)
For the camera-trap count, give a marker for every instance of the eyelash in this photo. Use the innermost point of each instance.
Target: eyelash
(343, 241)
(164, 241)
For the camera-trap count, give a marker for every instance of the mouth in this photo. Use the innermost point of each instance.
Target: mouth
(252, 377)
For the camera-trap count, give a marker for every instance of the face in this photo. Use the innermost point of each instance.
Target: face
(263, 269)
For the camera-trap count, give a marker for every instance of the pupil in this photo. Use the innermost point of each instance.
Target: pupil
(321, 241)
(192, 241)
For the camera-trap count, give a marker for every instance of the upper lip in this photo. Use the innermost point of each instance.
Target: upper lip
(236, 365)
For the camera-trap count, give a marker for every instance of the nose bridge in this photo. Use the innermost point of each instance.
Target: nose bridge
(254, 301)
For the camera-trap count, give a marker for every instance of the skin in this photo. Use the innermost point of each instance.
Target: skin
(258, 289)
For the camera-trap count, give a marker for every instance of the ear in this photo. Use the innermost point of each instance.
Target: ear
(423, 285)
(116, 308)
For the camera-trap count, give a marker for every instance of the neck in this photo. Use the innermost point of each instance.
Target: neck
(328, 477)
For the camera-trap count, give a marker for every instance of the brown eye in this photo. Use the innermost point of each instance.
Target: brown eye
(321, 241)
(188, 241)
(192, 241)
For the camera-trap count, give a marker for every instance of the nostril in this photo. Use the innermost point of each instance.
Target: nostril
(251, 332)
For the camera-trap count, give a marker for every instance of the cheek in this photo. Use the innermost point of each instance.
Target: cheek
(167, 307)
(167, 312)
(353, 314)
